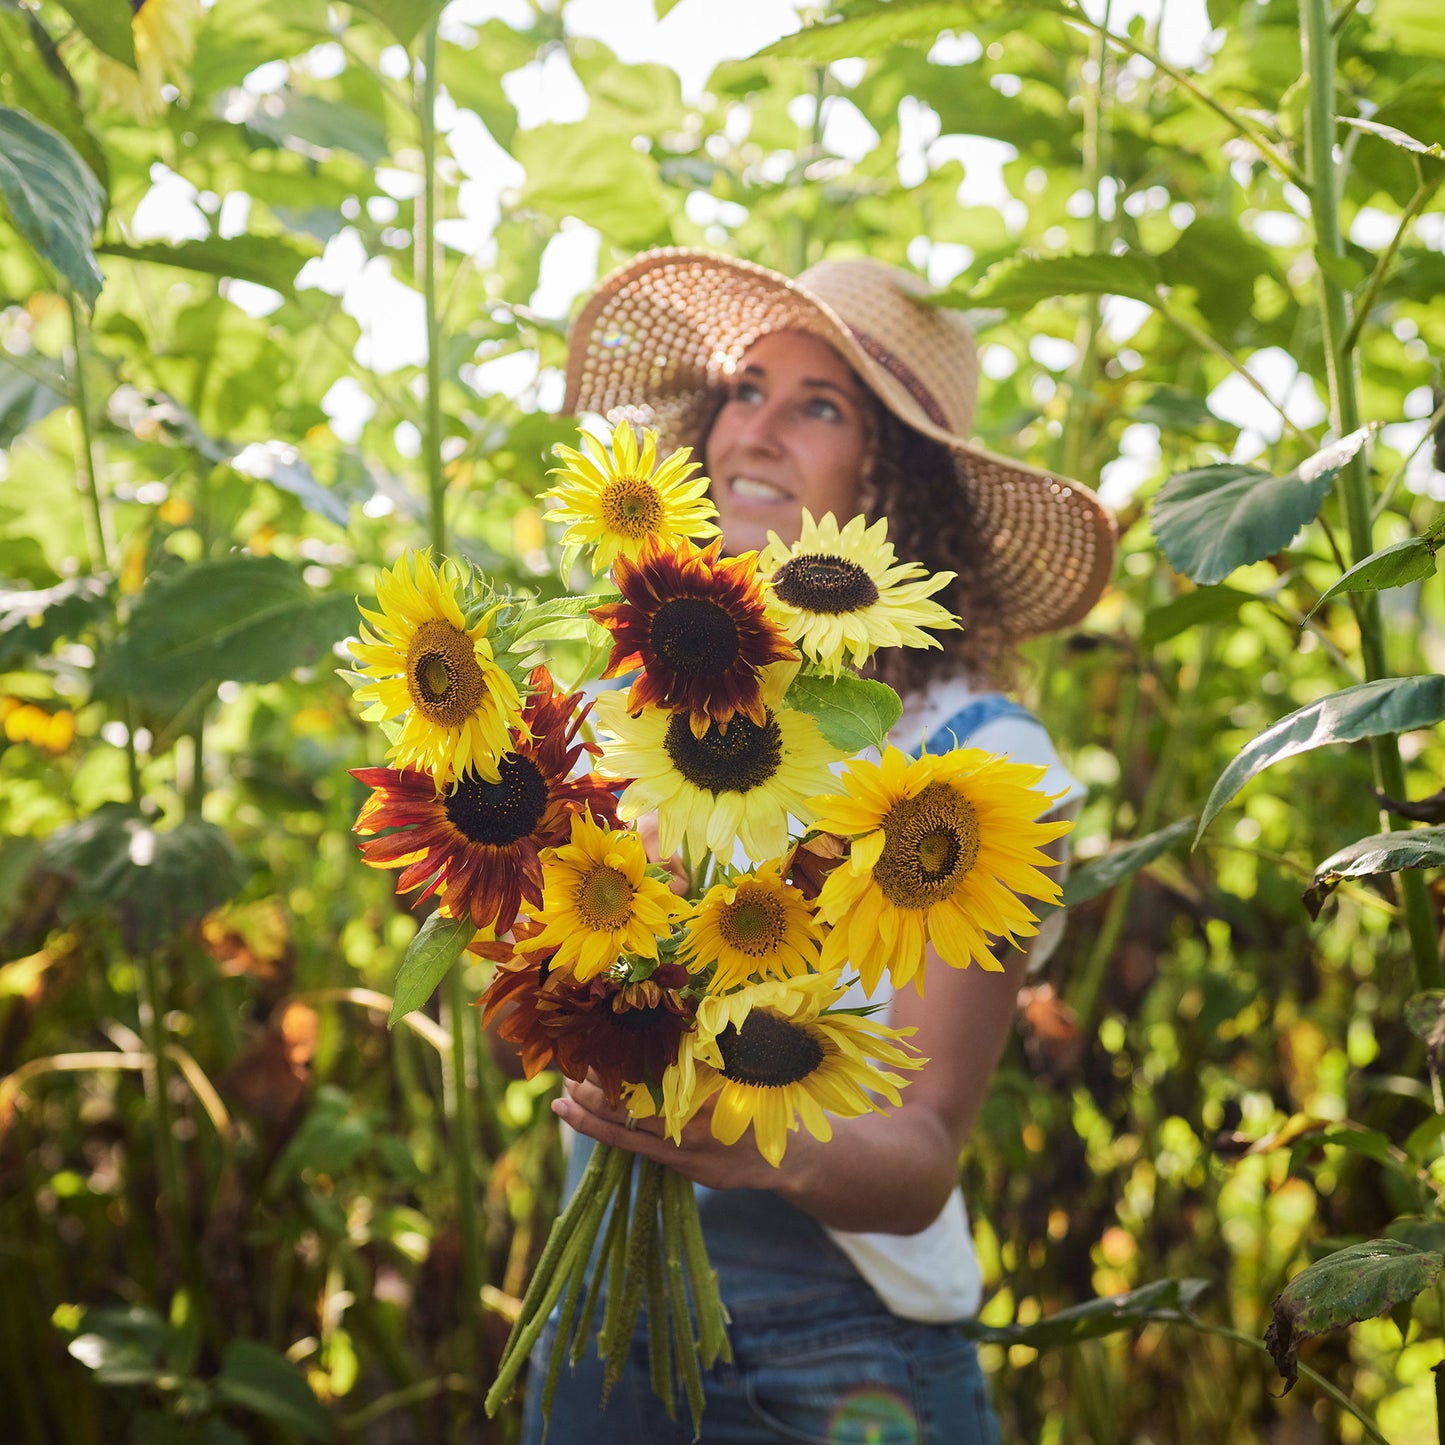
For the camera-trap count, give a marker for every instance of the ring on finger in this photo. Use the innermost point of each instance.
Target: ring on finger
(631, 1124)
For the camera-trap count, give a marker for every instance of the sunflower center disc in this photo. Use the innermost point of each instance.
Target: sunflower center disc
(823, 583)
(631, 508)
(930, 843)
(605, 899)
(736, 761)
(442, 674)
(768, 1051)
(754, 923)
(695, 637)
(499, 813)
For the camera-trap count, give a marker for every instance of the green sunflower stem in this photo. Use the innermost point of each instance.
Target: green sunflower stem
(674, 1243)
(1341, 364)
(680, 1215)
(609, 1264)
(463, 1141)
(659, 1344)
(639, 1245)
(427, 246)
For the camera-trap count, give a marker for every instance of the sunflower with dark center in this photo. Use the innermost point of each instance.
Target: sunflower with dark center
(480, 842)
(619, 499)
(696, 624)
(775, 1058)
(424, 664)
(945, 848)
(840, 593)
(723, 787)
(599, 902)
(753, 928)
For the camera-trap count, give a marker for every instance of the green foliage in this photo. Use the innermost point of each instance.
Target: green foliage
(853, 713)
(437, 946)
(1379, 853)
(1102, 874)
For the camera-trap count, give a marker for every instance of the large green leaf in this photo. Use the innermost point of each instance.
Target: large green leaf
(404, 18)
(258, 1379)
(1020, 282)
(1395, 137)
(1369, 710)
(1392, 566)
(1218, 518)
(266, 260)
(106, 25)
(872, 30)
(1356, 1283)
(1379, 853)
(28, 395)
(853, 713)
(1164, 1300)
(437, 946)
(247, 619)
(1101, 873)
(1189, 609)
(54, 200)
(156, 883)
(122, 1345)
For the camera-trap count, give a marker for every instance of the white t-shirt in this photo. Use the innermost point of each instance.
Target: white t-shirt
(933, 1275)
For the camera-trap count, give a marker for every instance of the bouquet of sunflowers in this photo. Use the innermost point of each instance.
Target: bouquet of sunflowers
(736, 720)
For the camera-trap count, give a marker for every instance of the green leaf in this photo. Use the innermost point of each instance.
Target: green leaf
(1213, 520)
(281, 465)
(559, 617)
(1103, 873)
(873, 30)
(1368, 1143)
(1394, 137)
(54, 200)
(1369, 710)
(28, 395)
(1379, 853)
(122, 1346)
(1163, 1299)
(1392, 566)
(1189, 609)
(258, 1379)
(265, 260)
(1022, 281)
(853, 713)
(106, 25)
(404, 18)
(663, 8)
(1422, 1234)
(32, 622)
(156, 883)
(248, 619)
(438, 944)
(1356, 1283)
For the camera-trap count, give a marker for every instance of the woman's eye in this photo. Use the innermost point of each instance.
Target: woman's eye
(746, 391)
(824, 409)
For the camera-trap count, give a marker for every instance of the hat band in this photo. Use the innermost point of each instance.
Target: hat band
(903, 373)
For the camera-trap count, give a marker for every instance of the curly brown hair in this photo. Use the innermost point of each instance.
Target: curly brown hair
(913, 481)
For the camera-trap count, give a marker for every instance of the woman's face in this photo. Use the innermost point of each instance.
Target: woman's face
(792, 434)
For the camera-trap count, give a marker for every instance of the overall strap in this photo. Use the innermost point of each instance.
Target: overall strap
(973, 715)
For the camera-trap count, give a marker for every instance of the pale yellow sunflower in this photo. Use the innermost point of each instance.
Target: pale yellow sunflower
(840, 592)
(598, 901)
(620, 498)
(424, 664)
(722, 787)
(943, 847)
(774, 1057)
(752, 926)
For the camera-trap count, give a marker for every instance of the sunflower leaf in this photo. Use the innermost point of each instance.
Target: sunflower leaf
(437, 946)
(853, 713)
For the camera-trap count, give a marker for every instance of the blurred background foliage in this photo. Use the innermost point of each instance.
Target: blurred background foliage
(226, 1211)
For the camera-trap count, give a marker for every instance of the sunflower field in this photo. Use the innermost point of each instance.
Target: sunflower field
(286, 289)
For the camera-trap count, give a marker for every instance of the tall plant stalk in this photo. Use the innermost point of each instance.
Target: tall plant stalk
(458, 1099)
(1340, 362)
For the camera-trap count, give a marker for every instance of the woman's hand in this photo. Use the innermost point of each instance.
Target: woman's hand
(699, 1157)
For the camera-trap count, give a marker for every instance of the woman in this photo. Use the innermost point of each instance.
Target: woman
(844, 1269)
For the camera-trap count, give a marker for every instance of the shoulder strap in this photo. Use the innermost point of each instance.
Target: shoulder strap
(973, 715)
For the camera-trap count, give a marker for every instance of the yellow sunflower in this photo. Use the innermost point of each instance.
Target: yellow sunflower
(723, 786)
(943, 847)
(774, 1056)
(840, 591)
(426, 665)
(598, 901)
(618, 499)
(755, 925)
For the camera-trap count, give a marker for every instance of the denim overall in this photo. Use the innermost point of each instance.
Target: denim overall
(817, 1357)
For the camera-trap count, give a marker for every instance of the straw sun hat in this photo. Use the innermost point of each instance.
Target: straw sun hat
(659, 335)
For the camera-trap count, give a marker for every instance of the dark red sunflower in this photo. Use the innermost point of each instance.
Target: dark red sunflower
(478, 839)
(696, 625)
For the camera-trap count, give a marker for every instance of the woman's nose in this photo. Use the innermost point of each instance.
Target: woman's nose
(760, 430)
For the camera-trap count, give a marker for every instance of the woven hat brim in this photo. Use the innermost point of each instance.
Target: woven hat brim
(661, 333)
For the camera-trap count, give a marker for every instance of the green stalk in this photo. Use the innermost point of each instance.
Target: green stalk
(427, 246)
(1340, 361)
(100, 548)
(1424, 191)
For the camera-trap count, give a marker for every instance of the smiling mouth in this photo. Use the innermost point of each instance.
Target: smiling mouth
(750, 489)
